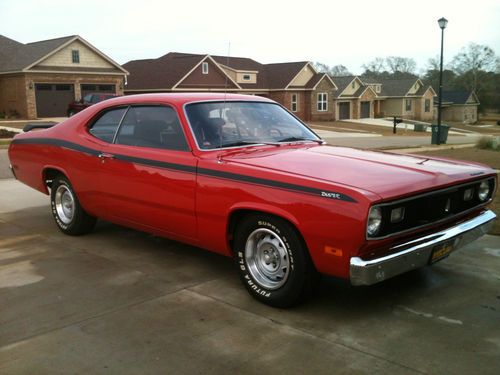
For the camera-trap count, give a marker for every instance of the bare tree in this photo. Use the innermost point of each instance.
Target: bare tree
(433, 63)
(376, 66)
(320, 67)
(336, 70)
(401, 64)
(473, 59)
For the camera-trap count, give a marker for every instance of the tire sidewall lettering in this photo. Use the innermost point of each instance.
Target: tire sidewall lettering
(252, 285)
(58, 221)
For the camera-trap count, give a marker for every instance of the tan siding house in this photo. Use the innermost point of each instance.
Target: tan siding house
(460, 106)
(407, 98)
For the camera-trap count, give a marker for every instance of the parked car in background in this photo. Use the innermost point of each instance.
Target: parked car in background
(241, 176)
(87, 101)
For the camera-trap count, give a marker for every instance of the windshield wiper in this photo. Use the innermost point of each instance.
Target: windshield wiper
(299, 139)
(244, 143)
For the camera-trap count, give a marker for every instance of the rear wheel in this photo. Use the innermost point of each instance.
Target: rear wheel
(273, 262)
(68, 214)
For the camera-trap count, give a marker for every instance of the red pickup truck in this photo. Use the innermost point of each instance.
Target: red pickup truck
(87, 101)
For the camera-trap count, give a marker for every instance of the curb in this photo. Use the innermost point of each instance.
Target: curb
(408, 150)
(14, 130)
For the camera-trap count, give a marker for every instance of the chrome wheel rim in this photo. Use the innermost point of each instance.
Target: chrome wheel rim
(65, 204)
(267, 259)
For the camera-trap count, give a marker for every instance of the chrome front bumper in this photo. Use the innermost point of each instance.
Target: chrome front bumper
(417, 253)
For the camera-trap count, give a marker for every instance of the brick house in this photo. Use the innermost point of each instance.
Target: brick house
(406, 98)
(40, 79)
(459, 106)
(296, 85)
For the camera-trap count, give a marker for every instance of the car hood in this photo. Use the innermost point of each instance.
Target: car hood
(386, 174)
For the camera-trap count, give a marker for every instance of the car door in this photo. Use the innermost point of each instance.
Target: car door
(86, 166)
(148, 173)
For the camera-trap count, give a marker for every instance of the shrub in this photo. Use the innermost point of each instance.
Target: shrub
(488, 143)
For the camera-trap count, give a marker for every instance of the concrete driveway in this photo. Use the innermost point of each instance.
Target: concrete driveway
(122, 302)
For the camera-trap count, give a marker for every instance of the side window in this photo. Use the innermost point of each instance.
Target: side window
(105, 126)
(152, 126)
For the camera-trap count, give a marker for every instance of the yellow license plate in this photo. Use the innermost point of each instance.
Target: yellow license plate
(441, 252)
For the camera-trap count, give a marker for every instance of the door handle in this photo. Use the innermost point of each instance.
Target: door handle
(104, 155)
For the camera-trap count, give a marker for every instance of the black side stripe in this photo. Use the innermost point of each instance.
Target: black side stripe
(274, 183)
(156, 163)
(58, 143)
(192, 169)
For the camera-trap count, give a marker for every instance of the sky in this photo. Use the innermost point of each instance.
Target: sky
(349, 32)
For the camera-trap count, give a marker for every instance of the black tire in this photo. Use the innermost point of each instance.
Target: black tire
(263, 238)
(68, 214)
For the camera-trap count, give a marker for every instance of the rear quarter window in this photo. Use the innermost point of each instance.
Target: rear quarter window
(152, 127)
(106, 125)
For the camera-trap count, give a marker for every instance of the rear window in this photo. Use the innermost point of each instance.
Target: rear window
(105, 127)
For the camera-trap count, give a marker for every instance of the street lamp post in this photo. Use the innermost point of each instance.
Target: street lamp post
(442, 24)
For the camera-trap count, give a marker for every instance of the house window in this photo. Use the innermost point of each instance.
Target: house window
(353, 84)
(408, 105)
(246, 77)
(294, 103)
(75, 56)
(427, 105)
(377, 89)
(322, 101)
(204, 68)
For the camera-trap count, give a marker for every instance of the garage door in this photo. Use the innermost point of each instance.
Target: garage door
(365, 109)
(344, 111)
(52, 99)
(98, 88)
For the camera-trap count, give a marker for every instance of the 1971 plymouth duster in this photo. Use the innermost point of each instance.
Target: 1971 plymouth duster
(241, 176)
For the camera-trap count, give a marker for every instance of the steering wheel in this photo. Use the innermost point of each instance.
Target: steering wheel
(275, 132)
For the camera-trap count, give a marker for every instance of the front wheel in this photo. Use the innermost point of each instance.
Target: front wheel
(68, 214)
(273, 262)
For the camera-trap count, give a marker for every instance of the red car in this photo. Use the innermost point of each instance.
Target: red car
(87, 101)
(241, 176)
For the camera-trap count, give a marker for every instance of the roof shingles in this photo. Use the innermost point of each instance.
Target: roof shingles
(165, 72)
(15, 56)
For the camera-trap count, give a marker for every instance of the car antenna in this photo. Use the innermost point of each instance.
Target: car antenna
(225, 93)
(227, 64)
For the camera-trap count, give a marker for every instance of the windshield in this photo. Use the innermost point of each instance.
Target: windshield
(229, 124)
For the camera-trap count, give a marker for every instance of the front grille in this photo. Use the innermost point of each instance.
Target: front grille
(433, 207)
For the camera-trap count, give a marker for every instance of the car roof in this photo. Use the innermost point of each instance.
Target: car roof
(183, 98)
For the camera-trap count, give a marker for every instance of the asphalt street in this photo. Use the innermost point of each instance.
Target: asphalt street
(118, 301)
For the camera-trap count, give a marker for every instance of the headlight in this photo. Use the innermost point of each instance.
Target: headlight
(484, 191)
(374, 221)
